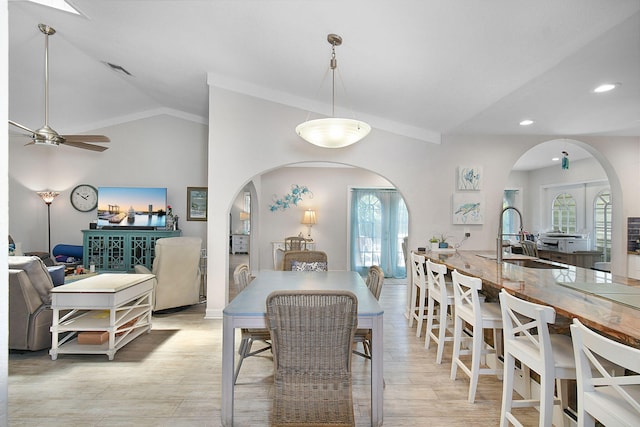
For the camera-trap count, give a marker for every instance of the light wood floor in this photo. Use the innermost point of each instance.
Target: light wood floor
(171, 377)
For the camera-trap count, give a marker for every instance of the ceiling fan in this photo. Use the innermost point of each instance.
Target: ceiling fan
(46, 135)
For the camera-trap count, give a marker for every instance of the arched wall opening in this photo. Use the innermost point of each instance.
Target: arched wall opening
(327, 188)
(590, 168)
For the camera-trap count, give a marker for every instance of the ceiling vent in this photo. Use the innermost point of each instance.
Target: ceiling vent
(118, 68)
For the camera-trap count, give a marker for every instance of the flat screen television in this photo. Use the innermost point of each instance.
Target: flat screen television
(132, 207)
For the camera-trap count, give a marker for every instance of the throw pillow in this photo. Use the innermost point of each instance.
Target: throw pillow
(308, 266)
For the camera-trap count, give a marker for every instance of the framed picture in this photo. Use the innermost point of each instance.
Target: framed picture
(468, 208)
(469, 178)
(196, 203)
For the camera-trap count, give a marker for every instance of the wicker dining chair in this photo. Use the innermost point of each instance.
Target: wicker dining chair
(241, 278)
(375, 280)
(295, 243)
(312, 332)
(308, 257)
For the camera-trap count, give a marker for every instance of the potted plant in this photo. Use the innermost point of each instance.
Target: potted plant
(434, 242)
(442, 242)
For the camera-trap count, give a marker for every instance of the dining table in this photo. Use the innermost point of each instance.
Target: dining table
(248, 310)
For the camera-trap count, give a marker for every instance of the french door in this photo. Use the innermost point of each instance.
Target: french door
(379, 223)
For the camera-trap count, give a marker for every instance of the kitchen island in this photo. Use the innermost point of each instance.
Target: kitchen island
(607, 303)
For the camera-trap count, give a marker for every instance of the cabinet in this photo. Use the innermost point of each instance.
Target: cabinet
(584, 259)
(239, 243)
(633, 266)
(121, 250)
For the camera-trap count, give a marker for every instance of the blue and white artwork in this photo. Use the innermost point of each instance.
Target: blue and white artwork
(469, 178)
(298, 192)
(468, 208)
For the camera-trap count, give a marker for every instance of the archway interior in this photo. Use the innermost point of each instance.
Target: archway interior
(539, 177)
(327, 187)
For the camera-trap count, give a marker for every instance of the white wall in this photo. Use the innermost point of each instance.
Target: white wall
(4, 222)
(249, 137)
(159, 151)
(330, 187)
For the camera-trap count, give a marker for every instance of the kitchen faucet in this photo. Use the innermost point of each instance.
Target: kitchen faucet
(499, 242)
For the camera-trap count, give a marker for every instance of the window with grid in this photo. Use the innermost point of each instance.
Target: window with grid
(379, 224)
(602, 223)
(563, 213)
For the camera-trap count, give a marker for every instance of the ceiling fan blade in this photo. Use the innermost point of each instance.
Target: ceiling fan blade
(78, 144)
(18, 125)
(46, 135)
(86, 138)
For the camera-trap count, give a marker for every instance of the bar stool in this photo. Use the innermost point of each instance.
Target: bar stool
(441, 292)
(527, 339)
(614, 400)
(479, 315)
(418, 292)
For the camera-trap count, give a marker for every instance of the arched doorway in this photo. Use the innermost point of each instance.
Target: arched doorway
(328, 187)
(560, 186)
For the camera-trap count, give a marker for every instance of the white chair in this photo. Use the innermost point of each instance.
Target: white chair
(177, 269)
(527, 339)
(478, 315)
(441, 292)
(418, 292)
(612, 400)
(529, 248)
(242, 278)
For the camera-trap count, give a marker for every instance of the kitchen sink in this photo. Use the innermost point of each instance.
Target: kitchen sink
(532, 263)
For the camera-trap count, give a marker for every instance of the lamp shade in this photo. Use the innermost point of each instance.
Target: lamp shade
(333, 132)
(48, 196)
(309, 217)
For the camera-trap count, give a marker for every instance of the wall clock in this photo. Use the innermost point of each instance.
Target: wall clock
(84, 198)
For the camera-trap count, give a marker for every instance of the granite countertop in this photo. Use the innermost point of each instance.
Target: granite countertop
(602, 301)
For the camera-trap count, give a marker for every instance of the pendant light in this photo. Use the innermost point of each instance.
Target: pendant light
(333, 132)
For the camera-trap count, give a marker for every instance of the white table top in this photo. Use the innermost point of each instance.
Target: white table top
(103, 283)
(252, 300)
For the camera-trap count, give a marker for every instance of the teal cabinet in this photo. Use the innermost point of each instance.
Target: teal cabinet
(121, 250)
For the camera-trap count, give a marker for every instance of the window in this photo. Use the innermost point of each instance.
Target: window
(246, 224)
(379, 223)
(602, 223)
(563, 213)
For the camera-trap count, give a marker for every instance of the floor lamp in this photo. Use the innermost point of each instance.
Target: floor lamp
(48, 197)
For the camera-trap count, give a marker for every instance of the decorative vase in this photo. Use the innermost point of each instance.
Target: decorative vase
(443, 245)
(434, 246)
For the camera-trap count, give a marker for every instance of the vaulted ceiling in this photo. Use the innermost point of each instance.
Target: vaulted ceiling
(421, 68)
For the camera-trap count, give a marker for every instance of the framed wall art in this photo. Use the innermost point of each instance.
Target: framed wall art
(197, 203)
(469, 178)
(468, 208)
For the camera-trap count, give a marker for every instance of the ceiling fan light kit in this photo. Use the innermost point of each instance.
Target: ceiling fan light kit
(46, 135)
(333, 132)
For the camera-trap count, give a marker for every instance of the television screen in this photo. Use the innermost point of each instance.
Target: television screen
(133, 207)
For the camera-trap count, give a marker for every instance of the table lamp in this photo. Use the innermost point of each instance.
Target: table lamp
(309, 219)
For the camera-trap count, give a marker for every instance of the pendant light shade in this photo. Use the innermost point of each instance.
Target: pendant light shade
(333, 132)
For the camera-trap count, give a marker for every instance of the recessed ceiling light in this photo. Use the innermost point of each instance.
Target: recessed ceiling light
(526, 122)
(555, 159)
(606, 87)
